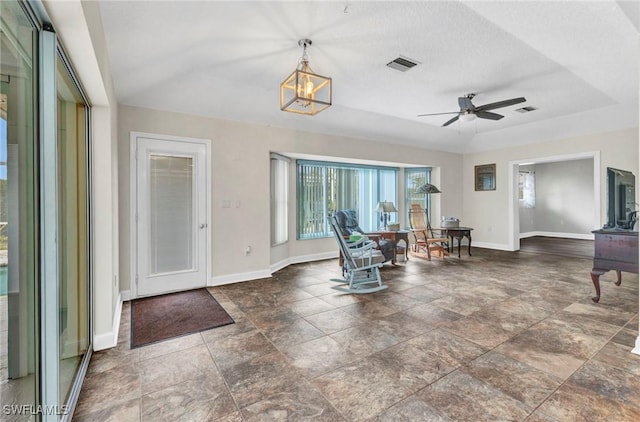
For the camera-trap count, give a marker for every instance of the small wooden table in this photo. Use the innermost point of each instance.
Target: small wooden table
(613, 250)
(458, 233)
(397, 236)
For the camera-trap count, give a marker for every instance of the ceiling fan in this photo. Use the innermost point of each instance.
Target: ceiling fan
(468, 111)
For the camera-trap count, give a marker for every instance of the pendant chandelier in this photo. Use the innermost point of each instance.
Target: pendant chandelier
(305, 92)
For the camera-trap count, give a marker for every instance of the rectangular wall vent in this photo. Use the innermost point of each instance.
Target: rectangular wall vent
(402, 64)
(525, 109)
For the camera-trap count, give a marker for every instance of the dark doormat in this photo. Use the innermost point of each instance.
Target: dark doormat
(158, 318)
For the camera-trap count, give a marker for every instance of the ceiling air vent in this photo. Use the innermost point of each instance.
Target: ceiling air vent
(402, 64)
(525, 109)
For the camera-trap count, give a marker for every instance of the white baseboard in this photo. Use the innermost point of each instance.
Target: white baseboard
(254, 275)
(109, 339)
(238, 277)
(636, 350)
(302, 258)
(125, 295)
(580, 236)
(486, 245)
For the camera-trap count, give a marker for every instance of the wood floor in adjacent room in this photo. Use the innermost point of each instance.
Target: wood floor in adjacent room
(495, 336)
(558, 246)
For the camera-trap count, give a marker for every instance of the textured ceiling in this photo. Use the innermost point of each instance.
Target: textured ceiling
(577, 62)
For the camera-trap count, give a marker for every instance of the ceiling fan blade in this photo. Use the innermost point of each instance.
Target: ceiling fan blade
(465, 103)
(438, 114)
(488, 115)
(448, 122)
(499, 104)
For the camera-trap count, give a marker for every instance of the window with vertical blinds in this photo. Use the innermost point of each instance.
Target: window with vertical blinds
(279, 199)
(326, 187)
(413, 179)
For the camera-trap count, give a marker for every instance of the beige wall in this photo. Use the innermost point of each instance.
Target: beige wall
(488, 212)
(240, 174)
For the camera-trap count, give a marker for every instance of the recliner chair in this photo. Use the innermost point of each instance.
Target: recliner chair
(348, 223)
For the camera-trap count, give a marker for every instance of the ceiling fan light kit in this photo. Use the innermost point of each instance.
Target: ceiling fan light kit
(468, 116)
(468, 111)
(305, 92)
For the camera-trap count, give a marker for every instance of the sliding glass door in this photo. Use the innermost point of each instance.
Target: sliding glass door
(44, 222)
(73, 279)
(19, 360)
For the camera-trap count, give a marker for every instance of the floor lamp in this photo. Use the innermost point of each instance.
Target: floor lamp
(428, 189)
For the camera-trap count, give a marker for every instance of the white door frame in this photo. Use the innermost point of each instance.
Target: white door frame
(133, 199)
(514, 210)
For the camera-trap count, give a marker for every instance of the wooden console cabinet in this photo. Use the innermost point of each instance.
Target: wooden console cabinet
(614, 250)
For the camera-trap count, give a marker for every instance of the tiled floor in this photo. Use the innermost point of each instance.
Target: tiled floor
(496, 336)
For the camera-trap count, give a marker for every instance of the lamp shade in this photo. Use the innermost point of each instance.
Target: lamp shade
(386, 206)
(427, 188)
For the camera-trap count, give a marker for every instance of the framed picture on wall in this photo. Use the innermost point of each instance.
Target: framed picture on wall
(485, 177)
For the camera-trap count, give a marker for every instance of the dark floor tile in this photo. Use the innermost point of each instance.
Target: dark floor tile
(395, 301)
(317, 356)
(296, 332)
(519, 381)
(365, 339)
(432, 315)
(334, 320)
(368, 310)
(302, 403)
(412, 409)
(174, 368)
(109, 388)
(232, 350)
(573, 403)
(261, 378)
(363, 388)
(609, 382)
(557, 346)
(462, 397)
(610, 315)
(308, 307)
(199, 399)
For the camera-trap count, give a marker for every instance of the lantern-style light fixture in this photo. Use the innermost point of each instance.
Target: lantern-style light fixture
(305, 92)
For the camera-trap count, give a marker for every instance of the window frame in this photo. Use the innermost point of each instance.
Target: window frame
(324, 167)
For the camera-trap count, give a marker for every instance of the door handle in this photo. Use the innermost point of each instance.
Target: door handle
(203, 225)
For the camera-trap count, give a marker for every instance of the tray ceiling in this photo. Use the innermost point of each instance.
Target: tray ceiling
(576, 62)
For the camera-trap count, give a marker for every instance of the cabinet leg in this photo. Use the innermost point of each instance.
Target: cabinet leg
(619, 277)
(595, 278)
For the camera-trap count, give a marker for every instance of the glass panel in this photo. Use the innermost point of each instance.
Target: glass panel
(18, 216)
(324, 188)
(171, 212)
(413, 179)
(279, 200)
(72, 232)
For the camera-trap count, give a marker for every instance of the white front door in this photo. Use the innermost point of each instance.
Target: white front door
(171, 219)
